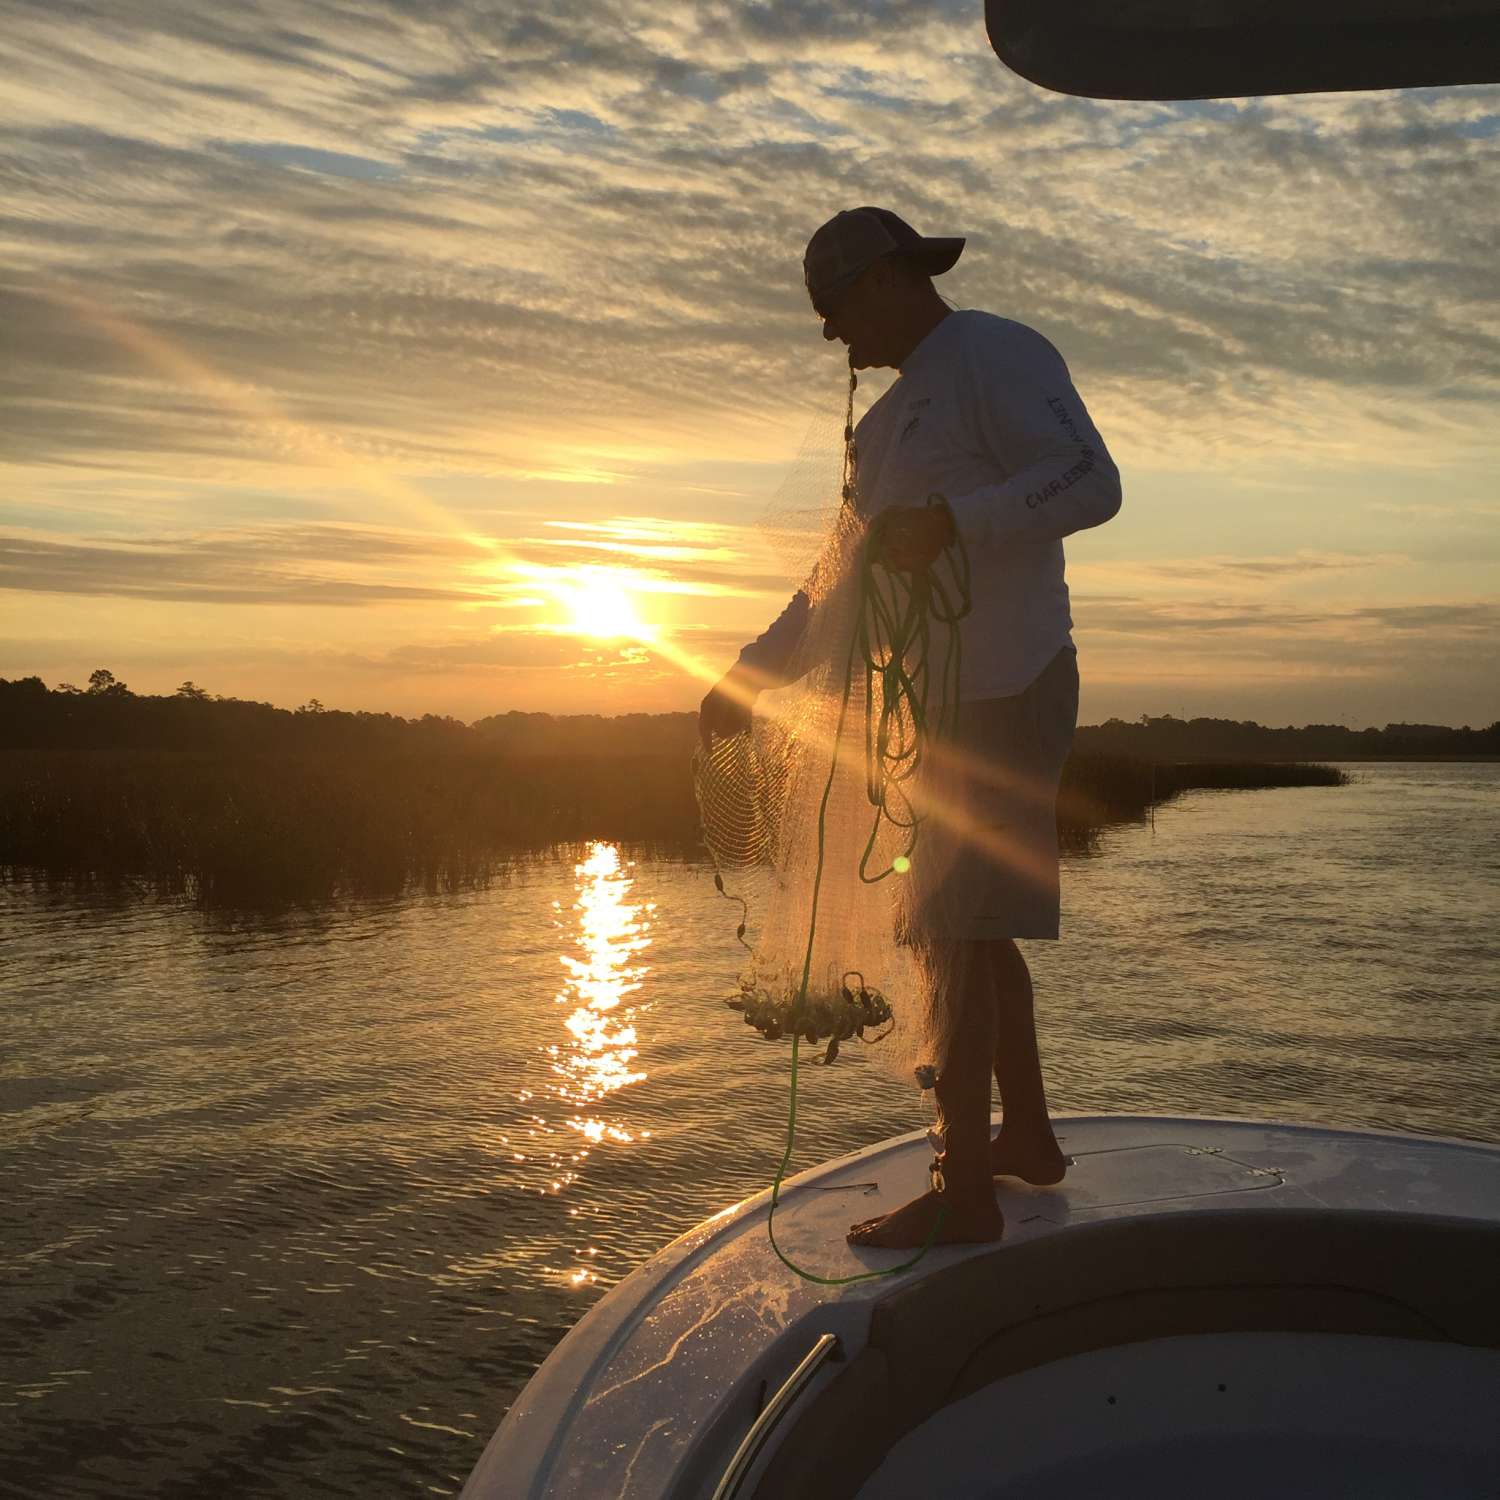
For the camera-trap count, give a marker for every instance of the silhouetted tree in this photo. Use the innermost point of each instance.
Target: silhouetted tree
(190, 689)
(102, 680)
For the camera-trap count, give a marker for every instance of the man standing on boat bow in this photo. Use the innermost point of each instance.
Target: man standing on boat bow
(985, 414)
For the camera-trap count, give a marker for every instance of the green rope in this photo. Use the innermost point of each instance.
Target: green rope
(895, 623)
(781, 1255)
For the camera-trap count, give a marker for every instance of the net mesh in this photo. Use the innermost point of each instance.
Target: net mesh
(813, 815)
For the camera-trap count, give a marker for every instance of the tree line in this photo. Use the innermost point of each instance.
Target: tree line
(1167, 739)
(108, 715)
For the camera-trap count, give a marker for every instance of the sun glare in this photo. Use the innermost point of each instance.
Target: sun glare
(600, 606)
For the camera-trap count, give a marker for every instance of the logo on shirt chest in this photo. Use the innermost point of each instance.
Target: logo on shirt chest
(916, 407)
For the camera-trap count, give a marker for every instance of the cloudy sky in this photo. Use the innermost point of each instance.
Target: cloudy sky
(398, 354)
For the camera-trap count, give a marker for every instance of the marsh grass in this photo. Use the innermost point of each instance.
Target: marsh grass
(266, 831)
(1098, 790)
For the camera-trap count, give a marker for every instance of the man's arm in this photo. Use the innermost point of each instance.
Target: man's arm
(1021, 401)
(770, 653)
(762, 664)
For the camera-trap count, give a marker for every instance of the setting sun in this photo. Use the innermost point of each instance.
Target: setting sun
(600, 606)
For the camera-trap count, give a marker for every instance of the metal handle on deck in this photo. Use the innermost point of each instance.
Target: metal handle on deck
(773, 1411)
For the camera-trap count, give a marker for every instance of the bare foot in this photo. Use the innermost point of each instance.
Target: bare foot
(965, 1222)
(1038, 1160)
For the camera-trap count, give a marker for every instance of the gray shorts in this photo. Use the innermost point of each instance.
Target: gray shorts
(985, 862)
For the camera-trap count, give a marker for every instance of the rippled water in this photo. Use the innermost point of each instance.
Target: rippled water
(294, 1208)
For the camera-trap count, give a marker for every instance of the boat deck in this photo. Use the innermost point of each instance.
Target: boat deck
(654, 1388)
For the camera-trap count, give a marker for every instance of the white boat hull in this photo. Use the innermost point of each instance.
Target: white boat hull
(1177, 1242)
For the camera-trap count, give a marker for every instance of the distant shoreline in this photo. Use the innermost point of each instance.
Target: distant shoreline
(1415, 760)
(1338, 760)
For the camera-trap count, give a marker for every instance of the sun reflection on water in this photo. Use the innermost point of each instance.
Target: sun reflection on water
(600, 1057)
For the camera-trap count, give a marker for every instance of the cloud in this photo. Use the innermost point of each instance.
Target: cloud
(1277, 631)
(346, 565)
(323, 260)
(275, 567)
(686, 557)
(1475, 619)
(1362, 665)
(1226, 570)
(446, 228)
(524, 650)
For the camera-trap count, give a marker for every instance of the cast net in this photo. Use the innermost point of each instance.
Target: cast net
(818, 816)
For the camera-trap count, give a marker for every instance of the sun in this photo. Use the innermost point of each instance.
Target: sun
(601, 607)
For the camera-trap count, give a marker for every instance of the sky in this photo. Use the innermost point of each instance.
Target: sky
(454, 358)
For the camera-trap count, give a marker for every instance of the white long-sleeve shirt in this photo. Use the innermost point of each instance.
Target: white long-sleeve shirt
(985, 414)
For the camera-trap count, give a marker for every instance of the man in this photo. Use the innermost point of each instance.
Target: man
(983, 414)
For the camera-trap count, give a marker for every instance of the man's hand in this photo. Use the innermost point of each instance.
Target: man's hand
(910, 537)
(726, 710)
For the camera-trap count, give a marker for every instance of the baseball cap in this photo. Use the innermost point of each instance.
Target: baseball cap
(852, 241)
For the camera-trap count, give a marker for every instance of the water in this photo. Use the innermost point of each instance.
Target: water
(295, 1207)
